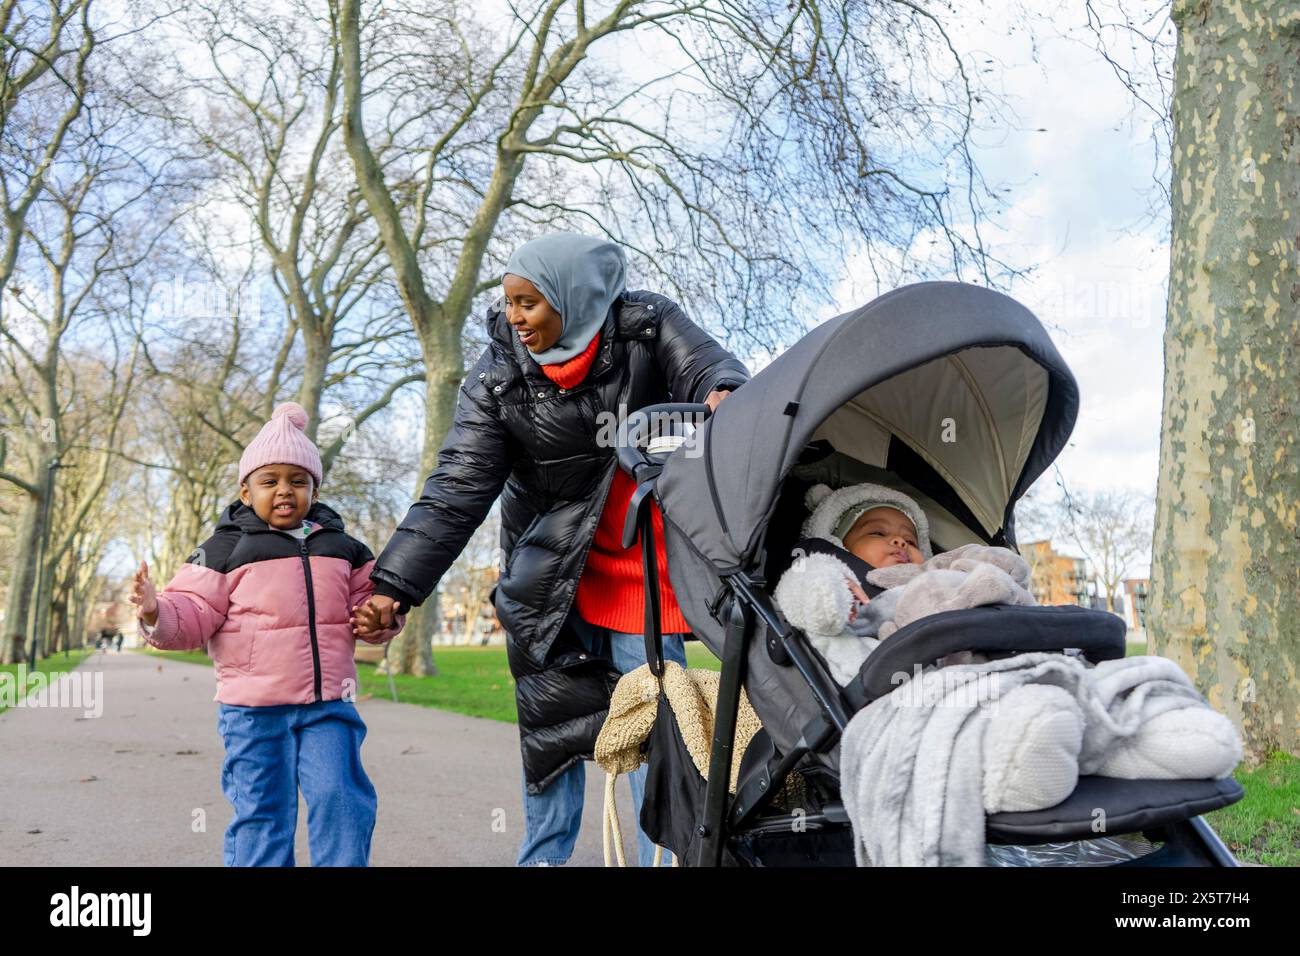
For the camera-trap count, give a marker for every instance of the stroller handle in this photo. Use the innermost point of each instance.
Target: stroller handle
(636, 428)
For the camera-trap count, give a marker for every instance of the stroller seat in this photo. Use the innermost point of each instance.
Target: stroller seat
(1130, 806)
(993, 629)
(1097, 806)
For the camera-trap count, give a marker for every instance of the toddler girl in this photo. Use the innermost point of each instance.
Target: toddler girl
(275, 594)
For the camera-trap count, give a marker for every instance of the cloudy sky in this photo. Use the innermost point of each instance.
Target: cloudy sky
(1079, 214)
(1102, 266)
(1080, 192)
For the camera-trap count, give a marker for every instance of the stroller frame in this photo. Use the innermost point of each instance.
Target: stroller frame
(1159, 810)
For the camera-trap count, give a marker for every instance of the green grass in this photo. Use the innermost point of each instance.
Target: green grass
(471, 680)
(475, 681)
(58, 663)
(697, 655)
(192, 657)
(1264, 826)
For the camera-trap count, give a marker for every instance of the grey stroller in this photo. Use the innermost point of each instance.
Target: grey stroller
(868, 396)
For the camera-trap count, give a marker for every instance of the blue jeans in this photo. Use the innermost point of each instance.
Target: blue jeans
(270, 752)
(552, 818)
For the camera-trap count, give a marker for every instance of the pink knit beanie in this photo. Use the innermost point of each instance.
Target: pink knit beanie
(282, 441)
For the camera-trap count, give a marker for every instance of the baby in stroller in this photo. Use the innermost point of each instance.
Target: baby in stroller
(865, 568)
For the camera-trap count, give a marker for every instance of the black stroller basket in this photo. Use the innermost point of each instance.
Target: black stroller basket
(721, 510)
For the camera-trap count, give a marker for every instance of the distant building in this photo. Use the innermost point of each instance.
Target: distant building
(1136, 591)
(1056, 578)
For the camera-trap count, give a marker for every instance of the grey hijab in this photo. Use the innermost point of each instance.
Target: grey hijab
(580, 276)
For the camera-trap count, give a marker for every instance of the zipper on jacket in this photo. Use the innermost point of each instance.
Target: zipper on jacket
(311, 620)
(582, 565)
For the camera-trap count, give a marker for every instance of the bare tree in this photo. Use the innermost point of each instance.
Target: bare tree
(474, 574)
(759, 135)
(1136, 38)
(44, 54)
(103, 202)
(1112, 528)
(256, 93)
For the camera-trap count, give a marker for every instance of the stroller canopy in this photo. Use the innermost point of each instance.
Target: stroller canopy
(954, 388)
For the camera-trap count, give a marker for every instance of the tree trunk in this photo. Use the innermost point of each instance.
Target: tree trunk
(316, 353)
(1225, 596)
(22, 582)
(411, 652)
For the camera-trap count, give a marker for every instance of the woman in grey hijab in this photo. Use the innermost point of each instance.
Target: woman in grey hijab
(570, 348)
(563, 286)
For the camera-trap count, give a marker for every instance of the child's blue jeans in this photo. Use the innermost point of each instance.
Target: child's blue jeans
(270, 753)
(553, 817)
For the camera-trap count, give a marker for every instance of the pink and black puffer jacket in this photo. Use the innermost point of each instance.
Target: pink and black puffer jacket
(272, 607)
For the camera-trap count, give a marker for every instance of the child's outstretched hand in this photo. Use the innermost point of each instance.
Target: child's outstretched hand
(373, 618)
(145, 596)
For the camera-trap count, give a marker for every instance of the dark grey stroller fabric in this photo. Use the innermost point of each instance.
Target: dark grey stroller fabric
(986, 343)
(839, 387)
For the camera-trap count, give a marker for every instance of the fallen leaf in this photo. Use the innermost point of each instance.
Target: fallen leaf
(89, 779)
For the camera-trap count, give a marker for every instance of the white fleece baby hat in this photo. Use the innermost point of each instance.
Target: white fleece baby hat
(830, 507)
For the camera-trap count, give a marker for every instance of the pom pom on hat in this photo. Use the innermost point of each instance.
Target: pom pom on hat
(296, 414)
(816, 495)
(283, 441)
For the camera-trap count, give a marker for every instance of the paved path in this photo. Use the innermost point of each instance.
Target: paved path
(141, 784)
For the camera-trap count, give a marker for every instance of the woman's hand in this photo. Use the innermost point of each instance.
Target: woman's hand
(715, 397)
(145, 596)
(371, 619)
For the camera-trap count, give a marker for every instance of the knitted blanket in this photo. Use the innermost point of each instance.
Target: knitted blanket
(921, 766)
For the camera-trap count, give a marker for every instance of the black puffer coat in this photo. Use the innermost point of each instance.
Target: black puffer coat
(518, 435)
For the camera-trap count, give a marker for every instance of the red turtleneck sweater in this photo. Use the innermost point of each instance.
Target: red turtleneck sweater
(611, 590)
